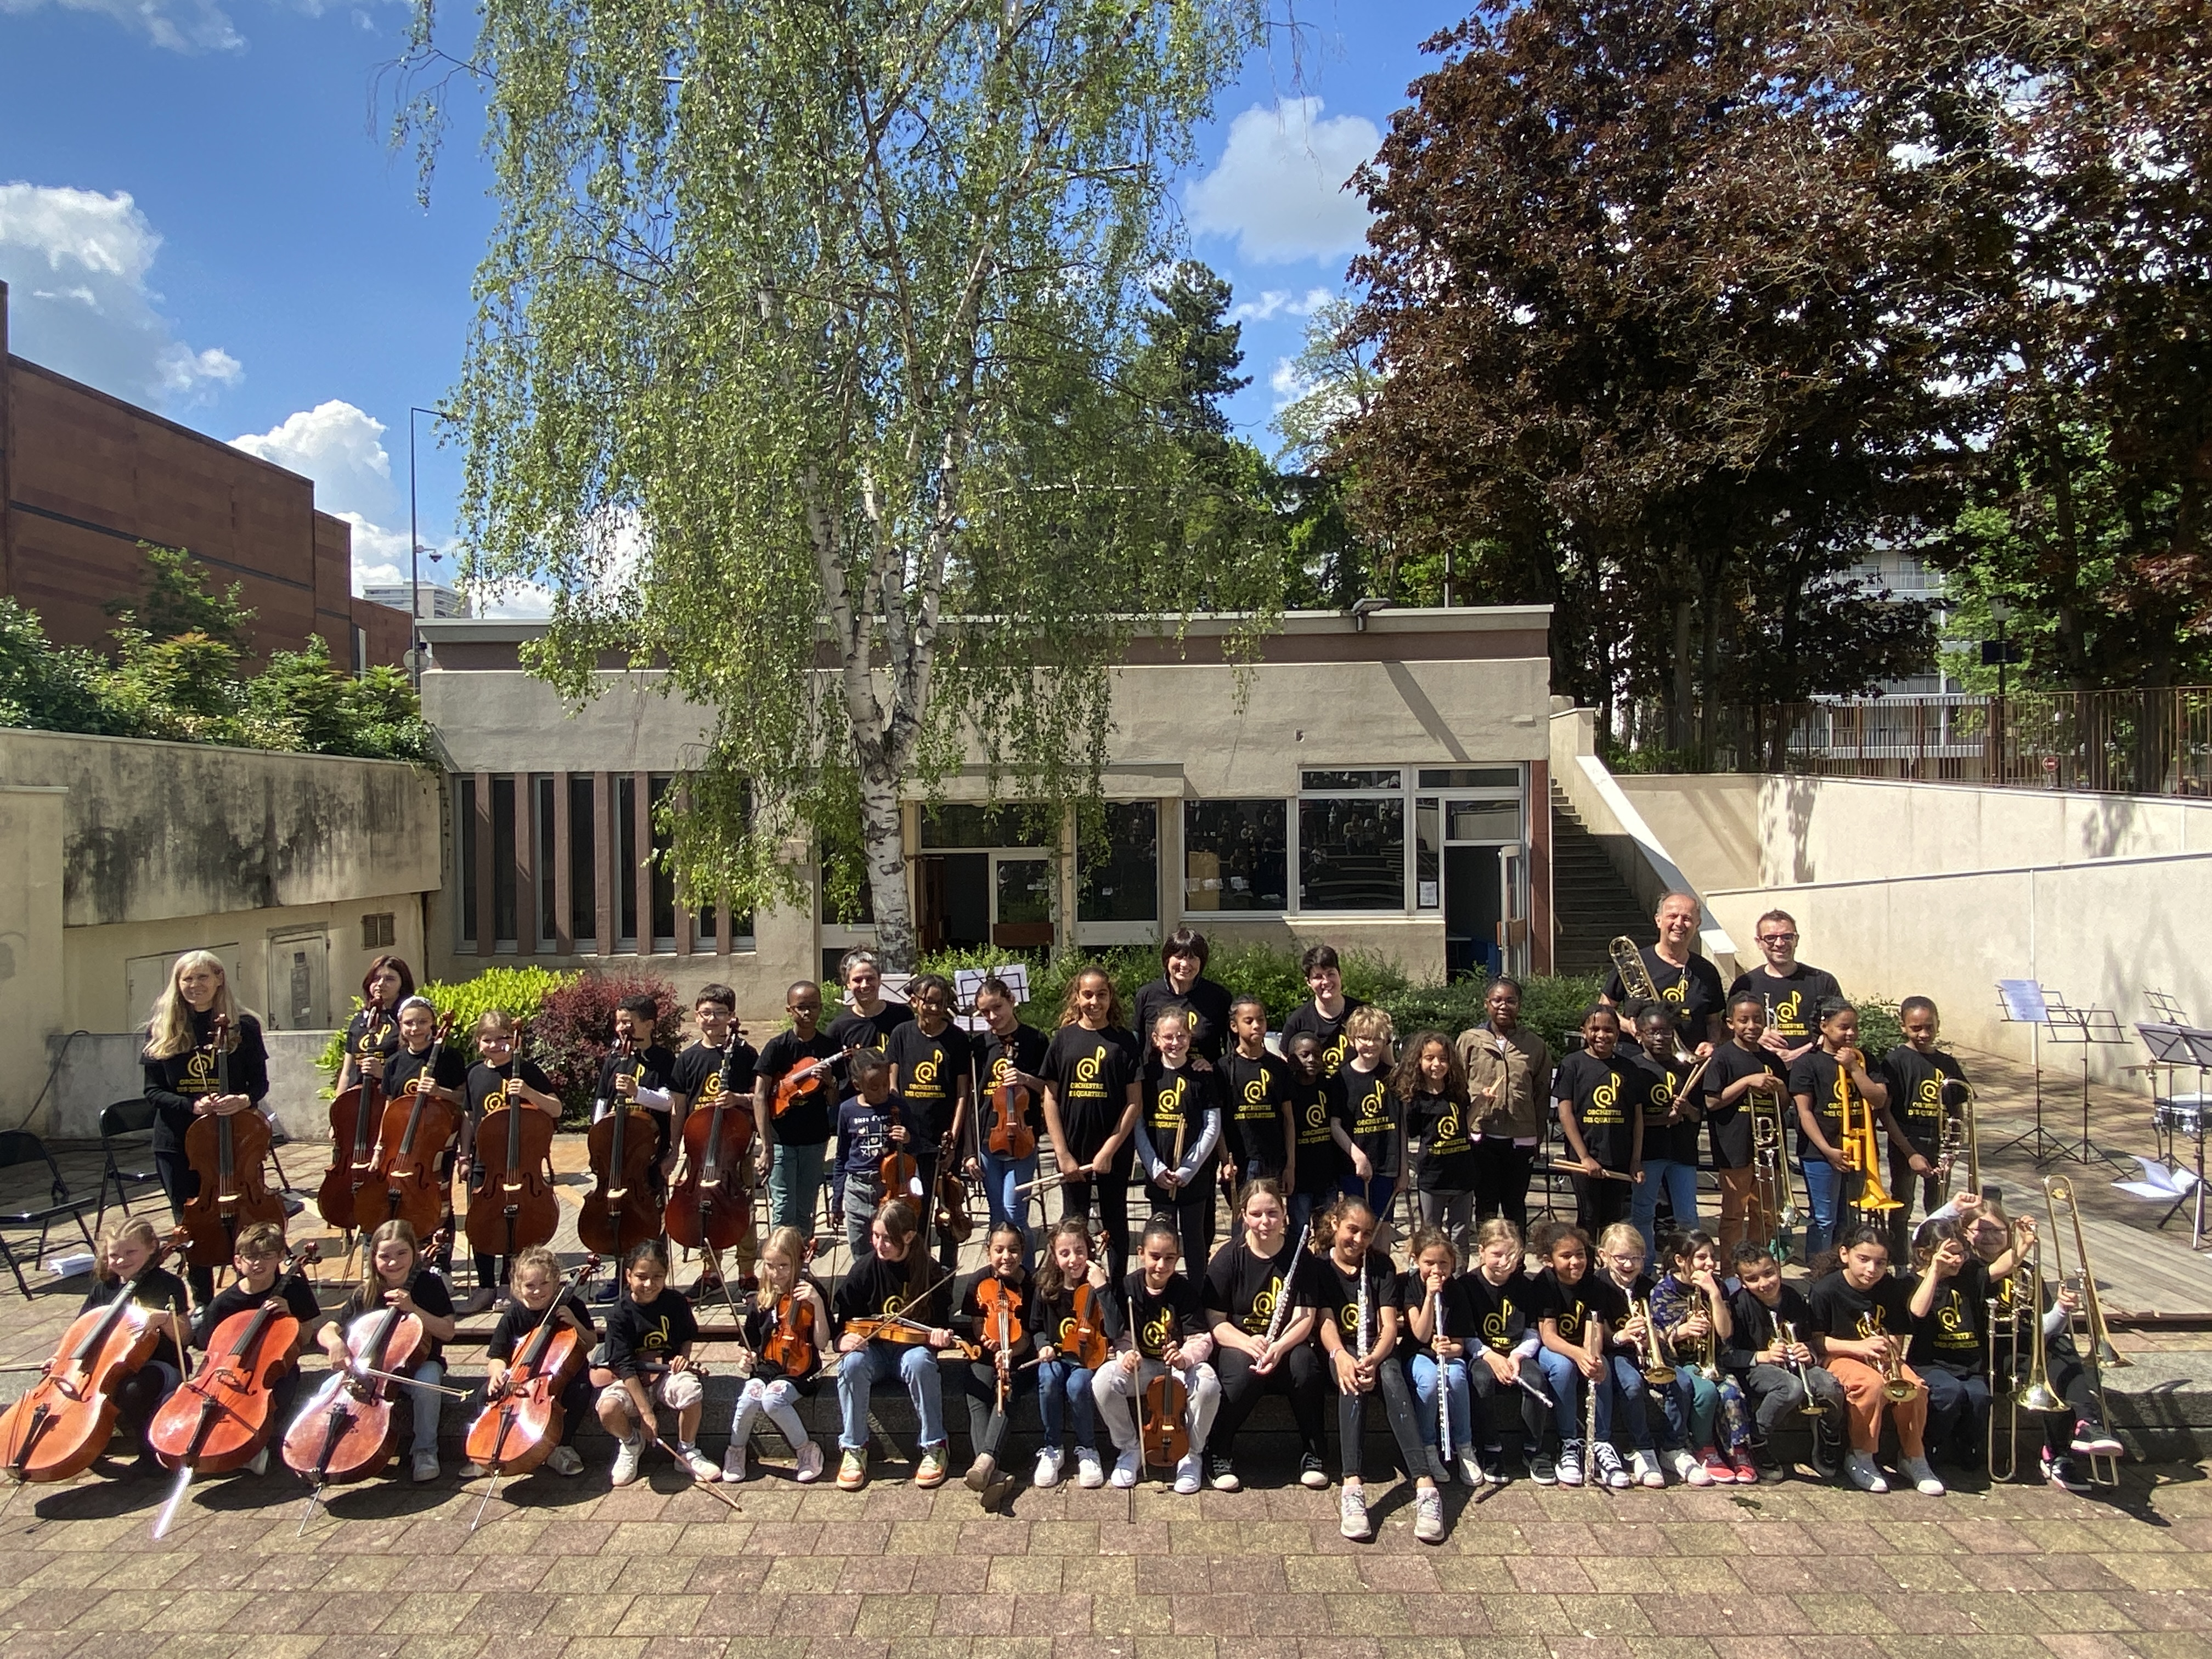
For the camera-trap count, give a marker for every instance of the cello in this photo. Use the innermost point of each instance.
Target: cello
(514, 1207)
(227, 1151)
(355, 1116)
(713, 1204)
(345, 1432)
(221, 1419)
(522, 1424)
(62, 1422)
(619, 1211)
(952, 1219)
(416, 1129)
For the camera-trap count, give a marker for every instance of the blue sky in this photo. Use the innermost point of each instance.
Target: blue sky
(198, 212)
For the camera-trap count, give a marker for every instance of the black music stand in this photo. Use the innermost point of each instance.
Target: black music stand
(2164, 1009)
(2085, 1027)
(2022, 1002)
(2174, 1048)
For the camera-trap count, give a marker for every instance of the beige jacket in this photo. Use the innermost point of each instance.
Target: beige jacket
(1511, 1090)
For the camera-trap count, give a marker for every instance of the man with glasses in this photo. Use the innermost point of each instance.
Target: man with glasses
(1793, 991)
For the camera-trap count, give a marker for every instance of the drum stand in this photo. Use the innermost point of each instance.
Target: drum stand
(2173, 1046)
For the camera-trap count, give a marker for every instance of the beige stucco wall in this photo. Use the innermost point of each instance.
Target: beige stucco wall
(31, 1000)
(1709, 823)
(94, 1072)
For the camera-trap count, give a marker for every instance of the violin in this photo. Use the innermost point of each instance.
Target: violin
(227, 1152)
(417, 1128)
(355, 1115)
(62, 1422)
(811, 1079)
(345, 1431)
(514, 1207)
(1083, 1334)
(906, 1332)
(221, 1418)
(899, 1171)
(713, 1204)
(791, 1348)
(1001, 1305)
(952, 1219)
(619, 1211)
(522, 1424)
(1011, 1135)
(1160, 1428)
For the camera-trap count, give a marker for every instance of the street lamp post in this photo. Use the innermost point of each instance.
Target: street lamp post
(415, 553)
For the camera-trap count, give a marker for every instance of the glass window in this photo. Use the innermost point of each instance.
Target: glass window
(583, 864)
(1000, 823)
(1373, 778)
(1351, 855)
(1466, 820)
(1470, 777)
(1121, 881)
(503, 858)
(1235, 855)
(1428, 854)
(663, 883)
(626, 857)
(464, 810)
(1024, 890)
(549, 912)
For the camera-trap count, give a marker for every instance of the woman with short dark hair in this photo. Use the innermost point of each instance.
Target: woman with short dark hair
(1182, 982)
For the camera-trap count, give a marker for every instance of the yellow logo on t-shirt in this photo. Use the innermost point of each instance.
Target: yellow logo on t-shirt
(925, 1074)
(1086, 1069)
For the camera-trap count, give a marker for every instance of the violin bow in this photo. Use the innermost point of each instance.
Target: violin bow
(735, 1507)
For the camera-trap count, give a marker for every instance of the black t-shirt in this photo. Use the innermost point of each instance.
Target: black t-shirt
(1755, 1326)
(1370, 1116)
(874, 1287)
(1590, 1296)
(1206, 1011)
(812, 1115)
(299, 1297)
(1259, 1107)
(1183, 1096)
(156, 1288)
(1306, 1019)
(1793, 999)
(1955, 1336)
(1455, 1311)
(1692, 990)
(759, 1324)
(931, 1070)
(854, 1029)
(518, 1323)
(430, 1295)
(486, 1081)
(1731, 1124)
(1817, 1074)
(700, 1077)
(1177, 1310)
(1916, 1094)
(1657, 1083)
(1243, 1288)
(371, 1032)
(654, 1065)
(1840, 1310)
(639, 1336)
(1314, 1108)
(1443, 1156)
(1603, 1092)
(175, 1083)
(1023, 1051)
(1336, 1293)
(1627, 1298)
(1056, 1314)
(449, 1070)
(1090, 1073)
(1503, 1315)
(969, 1319)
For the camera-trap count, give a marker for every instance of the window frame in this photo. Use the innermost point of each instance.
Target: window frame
(1396, 791)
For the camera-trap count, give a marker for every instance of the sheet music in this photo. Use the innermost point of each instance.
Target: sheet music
(2023, 1001)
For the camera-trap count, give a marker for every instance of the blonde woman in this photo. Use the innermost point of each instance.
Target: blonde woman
(182, 1078)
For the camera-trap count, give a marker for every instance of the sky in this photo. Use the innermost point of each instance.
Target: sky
(199, 212)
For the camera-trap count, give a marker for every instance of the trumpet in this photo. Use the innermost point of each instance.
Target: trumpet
(1708, 1345)
(1657, 1370)
(1896, 1387)
(1812, 1407)
(2019, 1313)
(1858, 1137)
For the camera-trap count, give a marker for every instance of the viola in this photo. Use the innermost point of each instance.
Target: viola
(1082, 1336)
(62, 1422)
(217, 1421)
(811, 1079)
(619, 1211)
(713, 1204)
(906, 1332)
(227, 1152)
(1011, 1135)
(952, 1219)
(345, 1431)
(1160, 1429)
(520, 1425)
(355, 1115)
(791, 1347)
(416, 1129)
(514, 1207)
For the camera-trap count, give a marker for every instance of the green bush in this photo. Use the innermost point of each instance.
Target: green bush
(518, 992)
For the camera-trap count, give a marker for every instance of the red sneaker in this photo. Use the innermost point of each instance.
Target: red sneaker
(1747, 1472)
(1717, 1466)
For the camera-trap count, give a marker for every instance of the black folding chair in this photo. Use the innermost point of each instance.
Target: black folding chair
(126, 1136)
(19, 1148)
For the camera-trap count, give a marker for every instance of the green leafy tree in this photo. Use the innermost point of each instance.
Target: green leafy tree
(176, 602)
(53, 688)
(799, 371)
(302, 700)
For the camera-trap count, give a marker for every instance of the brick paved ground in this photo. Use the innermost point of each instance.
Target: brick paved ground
(1769, 1574)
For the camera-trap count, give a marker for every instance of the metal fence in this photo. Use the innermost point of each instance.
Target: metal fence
(2143, 742)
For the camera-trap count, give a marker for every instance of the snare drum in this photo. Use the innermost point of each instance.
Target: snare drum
(2181, 1115)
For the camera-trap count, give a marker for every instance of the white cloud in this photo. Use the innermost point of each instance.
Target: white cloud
(1275, 301)
(187, 26)
(339, 446)
(1277, 188)
(1287, 384)
(526, 601)
(78, 265)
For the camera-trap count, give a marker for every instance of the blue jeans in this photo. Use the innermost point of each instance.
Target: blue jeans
(1629, 1404)
(1376, 1192)
(1001, 1176)
(1302, 1208)
(426, 1405)
(1064, 1387)
(1679, 1181)
(794, 1175)
(1565, 1381)
(1824, 1185)
(1422, 1370)
(913, 1365)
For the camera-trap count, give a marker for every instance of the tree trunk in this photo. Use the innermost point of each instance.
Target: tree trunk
(1679, 682)
(883, 844)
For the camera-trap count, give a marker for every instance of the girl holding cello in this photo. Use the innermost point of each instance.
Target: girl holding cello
(394, 1275)
(181, 1073)
(784, 1330)
(372, 1035)
(501, 1073)
(127, 1254)
(534, 1281)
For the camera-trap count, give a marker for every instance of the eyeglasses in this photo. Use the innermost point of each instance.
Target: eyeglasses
(1778, 939)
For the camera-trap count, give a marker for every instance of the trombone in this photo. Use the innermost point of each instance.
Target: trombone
(1773, 1190)
(2019, 1313)
(1958, 1135)
(1636, 985)
(2058, 1194)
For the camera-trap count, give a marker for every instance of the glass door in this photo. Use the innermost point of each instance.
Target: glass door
(1482, 838)
(1021, 901)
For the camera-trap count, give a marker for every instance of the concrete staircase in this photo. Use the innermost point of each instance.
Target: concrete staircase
(1591, 904)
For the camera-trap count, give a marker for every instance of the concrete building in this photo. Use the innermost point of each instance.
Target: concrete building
(1380, 787)
(85, 477)
(437, 599)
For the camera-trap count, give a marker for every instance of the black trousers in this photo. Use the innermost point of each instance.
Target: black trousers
(1599, 1200)
(1901, 1184)
(1111, 1194)
(1398, 1406)
(1298, 1375)
(987, 1429)
(180, 1182)
(1501, 1171)
(1483, 1385)
(1193, 1210)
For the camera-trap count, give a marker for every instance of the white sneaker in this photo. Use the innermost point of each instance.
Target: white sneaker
(810, 1464)
(1689, 1470)
(1916, 1470)
(1429, 1516)
(628, 1454)
(1051, 1463)
(733, 1461)
(1351, 1515)
(1569, 1464)
(1646, 1467)
(1470, 1467)
(1863, 1472)
(1126, 1468)
(1089, 1473)
(564, 1461)
(702, 1466)
(1605, 1467)
(426, 1466)
(258, 1463)
(1190, 1474)
(473, 1471)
